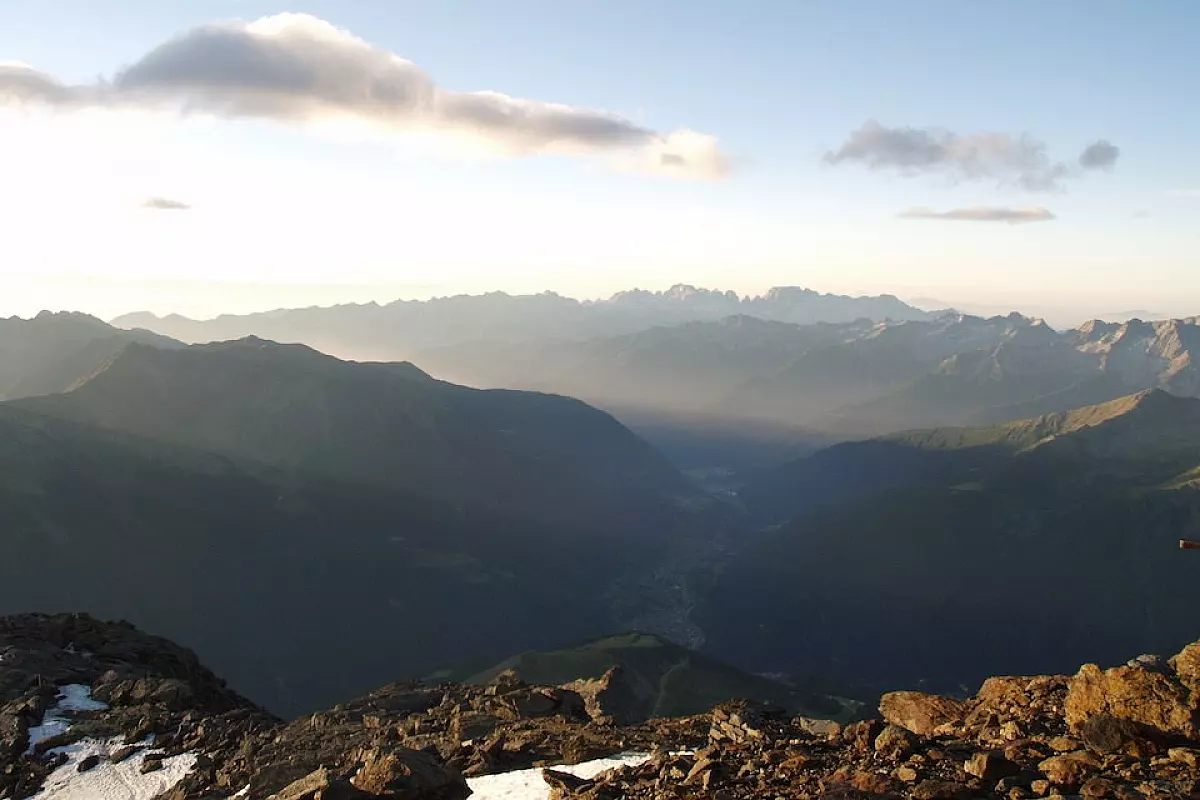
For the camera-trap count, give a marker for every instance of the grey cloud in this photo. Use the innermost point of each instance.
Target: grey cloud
(165, 204)
(1011, 216)
(1008, 160)
(23, 84)
(296, 68)
(1102, 154)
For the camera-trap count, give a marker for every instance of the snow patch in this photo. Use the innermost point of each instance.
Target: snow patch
(109, 781)
(527, 784)
(72, 699)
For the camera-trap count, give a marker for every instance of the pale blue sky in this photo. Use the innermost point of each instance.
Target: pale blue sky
(284, 214)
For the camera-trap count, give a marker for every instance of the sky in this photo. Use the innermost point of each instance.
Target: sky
(215, 156)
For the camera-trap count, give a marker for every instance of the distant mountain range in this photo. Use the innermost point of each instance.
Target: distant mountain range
(930, 553)
(248, 491)
(54, 352)
(401, 329)
(851, 379)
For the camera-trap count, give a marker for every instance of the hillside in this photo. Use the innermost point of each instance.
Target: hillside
(655, 678)
(386, 425)
(943, 550)
(1152, 436)
(55, 352)
(219, 555)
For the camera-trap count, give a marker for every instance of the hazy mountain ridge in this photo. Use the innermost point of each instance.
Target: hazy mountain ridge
(848, 379)
(851, 379)
(53, 352)
(403, 328)
(385, 425)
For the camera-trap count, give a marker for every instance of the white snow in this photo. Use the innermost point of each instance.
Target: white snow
(72, 698)
(106, 780)
(527, 784)
(109, 781)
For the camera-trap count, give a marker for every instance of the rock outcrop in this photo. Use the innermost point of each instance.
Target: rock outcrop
(1128, 732)
(1150, 694)
(1123, 733)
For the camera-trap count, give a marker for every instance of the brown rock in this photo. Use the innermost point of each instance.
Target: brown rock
(14, 735)
(405, 774)
(564, 784)
(1097, 787)
(990, 766)
(873, 784)
(1107, 734)
(123, 753)
(1186, 756)
(921, 713)
(88, 763)
(319, 785)
(1148, 697)
(861, 735)
(1069, 769)
(1064, 744)
(1187, 663)
(614, 698)
(895, 742)
(940, 790)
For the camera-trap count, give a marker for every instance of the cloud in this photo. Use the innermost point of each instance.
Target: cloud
(1011, 216)
(1141, 214)
(1102, 154)
(165, 204)
(1008, 160)
(298, 69)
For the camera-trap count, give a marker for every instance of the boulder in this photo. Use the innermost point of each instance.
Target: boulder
(405, 774)
(1149, 697)
(14, 736)
(990, 766)
(613, 698)
(921, 713)
(1187, 664)
(895, 743)
(319, 785)
(1069, 769)
(940, 790)
(1107, 734)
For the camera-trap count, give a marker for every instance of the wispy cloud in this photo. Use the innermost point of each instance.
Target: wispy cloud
(165, 204)
(298, 69)
(1184, 193)
(1010, 216)
(1019, 161)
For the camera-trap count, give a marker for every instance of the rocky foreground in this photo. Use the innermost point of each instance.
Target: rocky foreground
(78, 696)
